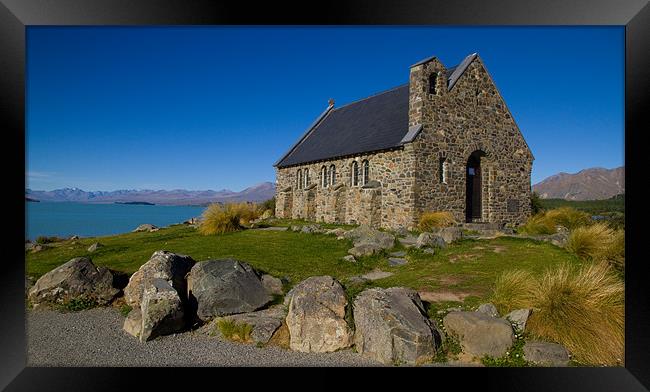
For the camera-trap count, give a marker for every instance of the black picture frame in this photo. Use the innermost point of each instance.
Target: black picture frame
(16, 15)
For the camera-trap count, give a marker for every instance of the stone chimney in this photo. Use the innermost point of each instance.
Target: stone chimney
(427, 83)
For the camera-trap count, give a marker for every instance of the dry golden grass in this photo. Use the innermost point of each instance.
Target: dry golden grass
(567, 217)
(219, 219)
(436, 219)
(591, 242)
(538, 224)
(583, 309)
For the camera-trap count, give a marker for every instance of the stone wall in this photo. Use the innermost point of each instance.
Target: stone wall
(471, 117)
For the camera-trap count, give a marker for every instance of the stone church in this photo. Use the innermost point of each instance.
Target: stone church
(445, 141)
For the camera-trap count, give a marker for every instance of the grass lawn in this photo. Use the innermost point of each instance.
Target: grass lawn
(466, 269)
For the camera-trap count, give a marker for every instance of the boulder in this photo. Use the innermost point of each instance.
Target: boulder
(488, 309)
(394, 261)
(392, 327)
(449, 234)
(402, 232)
(162, 265)
(224, 287)
(95, 246)
(316, 316)
(337, 232)
(145, 227)
(78, 277)
(272, 285)
(480, 334)
(350, 259)
(409, 241)
(518, 318)
(264, 323)
(365, 234)
(133, 322)
(430, 240)
(312, 229)
(365, 250)
(544, 353)
(162, 310)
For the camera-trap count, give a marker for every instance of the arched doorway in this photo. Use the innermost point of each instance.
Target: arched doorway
(473, 187)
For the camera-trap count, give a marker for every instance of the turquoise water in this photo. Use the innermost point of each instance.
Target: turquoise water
(89, 220)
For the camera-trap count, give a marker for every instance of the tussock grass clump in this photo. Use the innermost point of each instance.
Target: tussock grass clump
(219, 219)
(231, 330)
(436, 219)
(538, 224)
(582, 308)
(513, 290)
(591, 242)
(568, 217)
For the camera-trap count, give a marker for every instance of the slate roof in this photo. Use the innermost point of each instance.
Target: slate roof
(379, 122)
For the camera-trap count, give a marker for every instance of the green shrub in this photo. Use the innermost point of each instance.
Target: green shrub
(436, 219)
(583, 309)
(47, 240)
(231, 330)
(268, 204)
(78, 303)
(125, 310)
(536, 203)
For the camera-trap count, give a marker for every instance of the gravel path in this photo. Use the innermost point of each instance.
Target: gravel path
(95, 338)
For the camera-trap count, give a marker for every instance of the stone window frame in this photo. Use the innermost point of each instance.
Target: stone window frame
(324, 182)
(433, 79)
(365, 172)
(299, 179)
(354, 171)
(332, 174)
(306, 177)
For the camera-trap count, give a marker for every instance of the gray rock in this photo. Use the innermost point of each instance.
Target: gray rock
(376, 274)
(295, 228)
(74, 237)
(312, 229)
(78, 277)
(95, 246)
(402, 232)
(272, 285)
(393, 261)
(165, 265)
(480, 334)
(398, 254)
(488, 309)
(316, 316)
(223, 287)
(365, 234)
(145, 227)
(356, 280)
(430, 240)
(338, 232)
(162, 310)
(364, 250)
(391, 326)
(429, 251)
(133, 322)
(544, 353)
(408, 241)
(518, 318)
(350, 259)
(264, 323)
(449, 234)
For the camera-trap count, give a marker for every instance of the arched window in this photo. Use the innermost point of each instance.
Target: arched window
(323, 177)
(355, 173)
(332, 175)
(366, 172)
(443, 170)
(299, 179)
(306, 178)
(432, 83)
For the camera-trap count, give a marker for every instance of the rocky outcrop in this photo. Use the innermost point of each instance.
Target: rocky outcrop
(272, 285)
(430, 240)
(365, 234)
(264, 323)
(224, 287)
(480, 334)
(165, 265)
(544, 353)
(316, 316)
(78, 277)
(162, 310)
(518, 318)
(391, 326)
(95, 246)
(145, 227)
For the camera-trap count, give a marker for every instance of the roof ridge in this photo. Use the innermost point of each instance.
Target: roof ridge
(372, 96)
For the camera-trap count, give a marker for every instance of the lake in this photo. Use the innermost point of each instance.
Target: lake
(89, 220)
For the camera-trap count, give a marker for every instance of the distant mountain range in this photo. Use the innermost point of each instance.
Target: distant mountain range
(255, 193)
(594, 183)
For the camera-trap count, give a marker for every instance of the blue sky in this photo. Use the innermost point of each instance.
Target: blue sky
(214, 107)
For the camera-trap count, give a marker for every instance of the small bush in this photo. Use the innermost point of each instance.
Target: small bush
(433, 220)
(538, 224)
(231, 330)
(125, 310)
(268, 204)
(219, 219)
(78, 304)
(568, 217)
(47, 240)
(591, 242)
(583, 309)
(535, 203)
